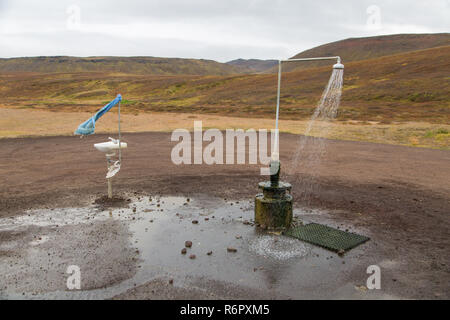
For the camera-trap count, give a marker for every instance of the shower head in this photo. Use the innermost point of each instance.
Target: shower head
(338, 66)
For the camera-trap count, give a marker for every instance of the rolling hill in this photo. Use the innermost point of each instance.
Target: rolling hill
(410, 86)
(357, 49)
(253, 65)
(354, 49)
(131, 65)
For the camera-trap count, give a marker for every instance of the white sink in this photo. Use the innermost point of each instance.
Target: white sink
(109, 146)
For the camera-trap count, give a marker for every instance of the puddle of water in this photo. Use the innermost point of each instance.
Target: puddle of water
(161, 225)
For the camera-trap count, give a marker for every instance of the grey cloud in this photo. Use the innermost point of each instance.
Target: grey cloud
(219, 30)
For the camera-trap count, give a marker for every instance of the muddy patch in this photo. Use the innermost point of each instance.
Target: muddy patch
(37, 250)
(104, 202)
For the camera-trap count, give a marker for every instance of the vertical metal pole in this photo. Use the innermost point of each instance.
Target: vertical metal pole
(108, 160)
(278, 94)
(109, 188)
(120, 151)
(275, 152)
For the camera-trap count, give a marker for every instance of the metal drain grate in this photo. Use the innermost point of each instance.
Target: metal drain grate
(326, 237)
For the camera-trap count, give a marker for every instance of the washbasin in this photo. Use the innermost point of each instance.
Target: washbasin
(109, 146)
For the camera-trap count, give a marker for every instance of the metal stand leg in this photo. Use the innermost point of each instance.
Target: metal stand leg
(108, 164)
(109, 188)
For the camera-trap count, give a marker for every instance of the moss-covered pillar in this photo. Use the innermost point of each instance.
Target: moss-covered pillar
(273, 207)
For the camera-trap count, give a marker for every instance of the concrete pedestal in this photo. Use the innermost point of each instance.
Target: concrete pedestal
(273, 207)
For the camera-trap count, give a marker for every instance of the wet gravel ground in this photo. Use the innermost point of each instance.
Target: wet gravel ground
(173, 247)
(53, 214)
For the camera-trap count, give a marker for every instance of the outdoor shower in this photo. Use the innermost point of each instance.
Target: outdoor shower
(273, 207)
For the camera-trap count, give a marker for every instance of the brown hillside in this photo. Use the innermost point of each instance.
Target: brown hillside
(357, 49)
(411, 86)
(254, 65)
(131, 65)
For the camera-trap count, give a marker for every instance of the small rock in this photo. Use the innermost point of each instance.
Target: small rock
(209, 253)
(187, 200)
(171, 281)
(361, 288)
(188, 244)
(183, 251)
(194, 221)
(231, 249)
(206, 219)
(192, 256)
(238, 237)
(246, 222)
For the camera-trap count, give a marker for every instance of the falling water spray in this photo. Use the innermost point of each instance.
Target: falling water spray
(310, 151)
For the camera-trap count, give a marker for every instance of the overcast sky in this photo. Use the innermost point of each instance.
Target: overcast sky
(221, 30)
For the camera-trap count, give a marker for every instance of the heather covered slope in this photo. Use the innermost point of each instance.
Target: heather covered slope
(353, 49)
(404, 87)
(254, 65)
(131, 65)
(357, 49)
